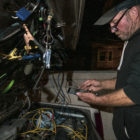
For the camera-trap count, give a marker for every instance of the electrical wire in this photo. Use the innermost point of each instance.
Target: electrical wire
(66, 91)
(8, 87)
(3, 75)
(36, 84)
(37, 126)
(57, 89)
(54, 86)
(76, 133)
(60, 91)
(38, 113)
(28, 99)
(3, 78)
(60, 86)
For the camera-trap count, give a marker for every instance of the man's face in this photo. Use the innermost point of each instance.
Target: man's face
(122, 25)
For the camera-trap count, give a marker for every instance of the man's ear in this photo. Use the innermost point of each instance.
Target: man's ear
(134, 12)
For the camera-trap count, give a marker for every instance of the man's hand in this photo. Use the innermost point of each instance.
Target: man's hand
(116, 98)
(89, 98)
(91, 85)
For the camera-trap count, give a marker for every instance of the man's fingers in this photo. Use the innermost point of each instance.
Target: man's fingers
(91, 85)
(86, 84)
(92, 88)
(86, 97)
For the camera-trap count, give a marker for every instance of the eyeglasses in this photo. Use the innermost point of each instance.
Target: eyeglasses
(116, 24)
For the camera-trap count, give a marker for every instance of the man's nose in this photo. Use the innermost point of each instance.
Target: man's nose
(113, 28)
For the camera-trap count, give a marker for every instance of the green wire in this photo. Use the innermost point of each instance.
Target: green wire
(3, 75)
(8, 87)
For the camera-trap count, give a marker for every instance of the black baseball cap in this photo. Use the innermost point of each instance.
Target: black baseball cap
(109, 15)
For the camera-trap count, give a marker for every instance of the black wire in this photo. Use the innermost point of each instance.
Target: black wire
(60, 89)
(37, 81)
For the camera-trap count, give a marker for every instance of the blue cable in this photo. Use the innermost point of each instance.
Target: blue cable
(27, 57)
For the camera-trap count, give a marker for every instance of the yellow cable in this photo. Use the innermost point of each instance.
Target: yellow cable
(74, 132)
(38, 130)
(38, 112)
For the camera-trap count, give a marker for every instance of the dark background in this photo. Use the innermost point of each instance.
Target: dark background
(90, 33)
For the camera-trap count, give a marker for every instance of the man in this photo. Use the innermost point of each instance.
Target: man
(125, 23)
